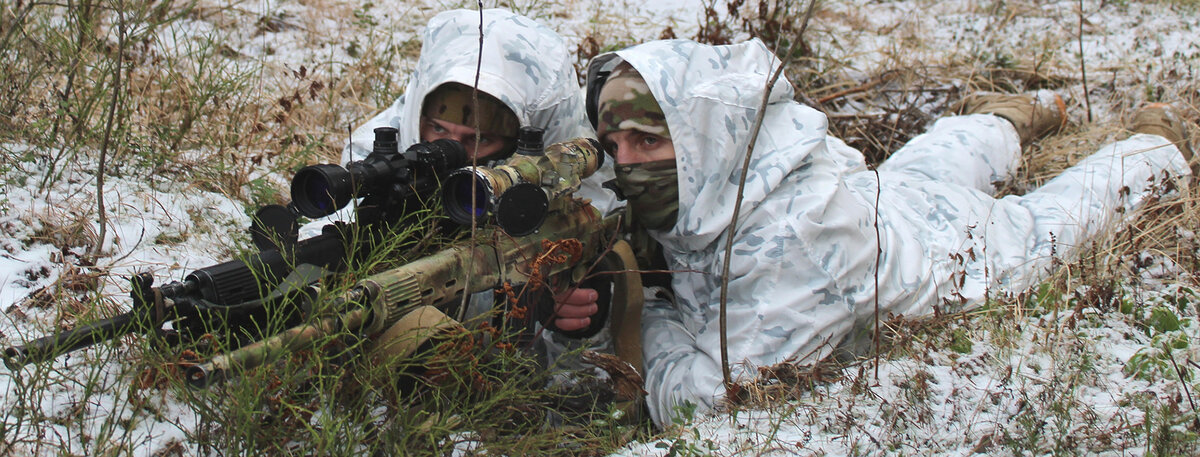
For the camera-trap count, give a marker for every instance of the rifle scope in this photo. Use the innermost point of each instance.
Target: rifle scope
(519, 192)
(320, 190)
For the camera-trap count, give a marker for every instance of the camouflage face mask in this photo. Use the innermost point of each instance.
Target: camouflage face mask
(652, 190)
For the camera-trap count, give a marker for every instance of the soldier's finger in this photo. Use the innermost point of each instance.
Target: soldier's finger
(580, 296)
(572, 324)
(587, 310)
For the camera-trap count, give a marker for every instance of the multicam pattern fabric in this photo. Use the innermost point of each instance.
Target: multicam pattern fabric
(652, 191)
(525, 65)
(454, 102)
(803, 275)
(626, 103)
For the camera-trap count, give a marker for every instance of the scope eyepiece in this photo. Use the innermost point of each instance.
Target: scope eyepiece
(518, 194)
(466, 195)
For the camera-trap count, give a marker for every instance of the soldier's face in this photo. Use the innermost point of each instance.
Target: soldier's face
(634, 146)
(437, 129)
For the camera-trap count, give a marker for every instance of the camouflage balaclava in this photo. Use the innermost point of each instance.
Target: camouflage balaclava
(451, 102)
(652, 188)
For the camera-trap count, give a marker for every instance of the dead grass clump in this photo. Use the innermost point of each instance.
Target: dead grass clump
(716, 29)
(71, 296)
(65, 227)
(588, 48)
(374, 80)
(900, 337)
(191, 106)
(782, 382)
(1017, 78)
(604, 34)
(875, 115)
(886, 111)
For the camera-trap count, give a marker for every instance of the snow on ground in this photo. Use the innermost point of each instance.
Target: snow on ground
(954, 403)
(165, 228)
(949, 403)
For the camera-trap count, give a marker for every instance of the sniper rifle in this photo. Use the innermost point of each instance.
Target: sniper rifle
(534, 232)
(240, 295)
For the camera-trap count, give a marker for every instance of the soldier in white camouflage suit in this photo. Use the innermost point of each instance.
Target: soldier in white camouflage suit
(526, 78)
(803, 273)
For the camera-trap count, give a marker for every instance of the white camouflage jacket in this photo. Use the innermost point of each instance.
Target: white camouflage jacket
(802, 279)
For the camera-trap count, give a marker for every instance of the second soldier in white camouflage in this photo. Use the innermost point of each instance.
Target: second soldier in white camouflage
(803, 271)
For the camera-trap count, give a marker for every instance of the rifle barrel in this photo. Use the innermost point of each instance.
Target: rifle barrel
(299, 337)
(49, 347)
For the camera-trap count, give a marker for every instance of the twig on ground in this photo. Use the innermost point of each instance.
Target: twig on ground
(1182, 381)
(102, 216)
(462, 309)
(878, 257)
(1083, 66)
(881, 79)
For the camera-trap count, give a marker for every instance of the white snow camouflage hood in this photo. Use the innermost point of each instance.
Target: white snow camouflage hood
(712, 102)
(525, 65)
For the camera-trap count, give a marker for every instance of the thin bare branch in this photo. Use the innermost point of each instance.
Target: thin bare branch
(1083, 65)
(1182, 379)
(462, 310)
(102, 216)
(737, 206)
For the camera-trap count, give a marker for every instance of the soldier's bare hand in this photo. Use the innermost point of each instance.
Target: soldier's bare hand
(574, 308)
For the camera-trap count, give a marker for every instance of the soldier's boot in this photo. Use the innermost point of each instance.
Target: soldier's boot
(1034, 116)
(1162, 120)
